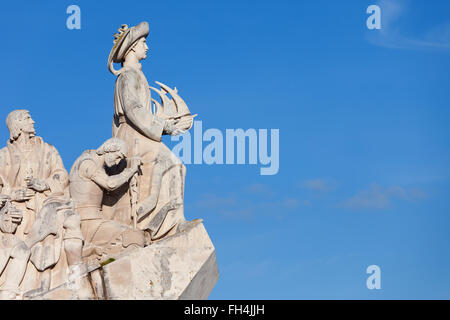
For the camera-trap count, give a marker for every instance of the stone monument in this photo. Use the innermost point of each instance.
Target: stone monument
(115, 227)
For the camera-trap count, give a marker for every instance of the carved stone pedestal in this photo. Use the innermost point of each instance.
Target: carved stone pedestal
(182, 266)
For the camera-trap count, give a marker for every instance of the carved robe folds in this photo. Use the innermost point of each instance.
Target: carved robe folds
(41, 161)
(135, 123)
(44, 163)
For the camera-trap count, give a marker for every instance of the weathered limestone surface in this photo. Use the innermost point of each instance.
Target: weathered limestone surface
(40, 236)
(81, 291)
(182, 266)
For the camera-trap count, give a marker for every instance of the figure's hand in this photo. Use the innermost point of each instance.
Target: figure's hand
(22, 195)
(178, 126)
(135, 163)
(36, 185)
(15, 214)
(183, 124)
(3, 200)
(146, 207)
(169, 126)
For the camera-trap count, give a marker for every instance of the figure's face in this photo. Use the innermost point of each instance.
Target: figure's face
(113, 158)
(141, 49)
(26, 124)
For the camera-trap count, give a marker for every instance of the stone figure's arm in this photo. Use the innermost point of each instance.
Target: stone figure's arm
(3, 199)
(147, 124)
(4, 188)
(16, 194)
(4, 193)
(37, 185)
(100, 177)
(58, 179)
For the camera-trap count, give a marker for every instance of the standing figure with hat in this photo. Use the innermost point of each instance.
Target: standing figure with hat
(153, 200)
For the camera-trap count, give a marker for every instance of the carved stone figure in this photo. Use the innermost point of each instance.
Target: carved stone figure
(31, 169)
(56, 244)
(114, 229)
(156, 194)
(14, 254)
(34, 178)
(89, 180)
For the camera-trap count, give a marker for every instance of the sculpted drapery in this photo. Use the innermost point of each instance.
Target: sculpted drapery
(41, 161)
(141, 130)
(160, 184)
(44, 163)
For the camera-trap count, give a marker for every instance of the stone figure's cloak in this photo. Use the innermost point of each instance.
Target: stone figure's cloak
(47, 166)
(132, 94)
(132, 104)
(51, 168)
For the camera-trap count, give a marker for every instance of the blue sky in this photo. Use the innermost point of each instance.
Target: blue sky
(363, 116)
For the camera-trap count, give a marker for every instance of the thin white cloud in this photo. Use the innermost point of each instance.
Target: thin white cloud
(229, 206)
(238, 206)
(374, 197)
(212, 201)
(394, 19)
(306, 203)
(238, 213)
(260, 189)
(291, 203)
(377, 197)
(318, 185)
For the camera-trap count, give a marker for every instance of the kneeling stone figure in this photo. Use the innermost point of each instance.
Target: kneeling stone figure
(89, 181)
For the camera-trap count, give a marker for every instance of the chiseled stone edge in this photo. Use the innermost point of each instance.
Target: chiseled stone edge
(203, 282)
(192, 291)
(63, 292)
(199, 288)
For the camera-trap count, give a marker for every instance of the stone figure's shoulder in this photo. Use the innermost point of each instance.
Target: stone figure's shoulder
(4, 156)
(49, 146)
(3, 151)
(128, 74)
(39, 141)
(86, 163)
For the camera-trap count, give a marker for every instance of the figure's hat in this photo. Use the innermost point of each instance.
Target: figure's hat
(123, 41)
